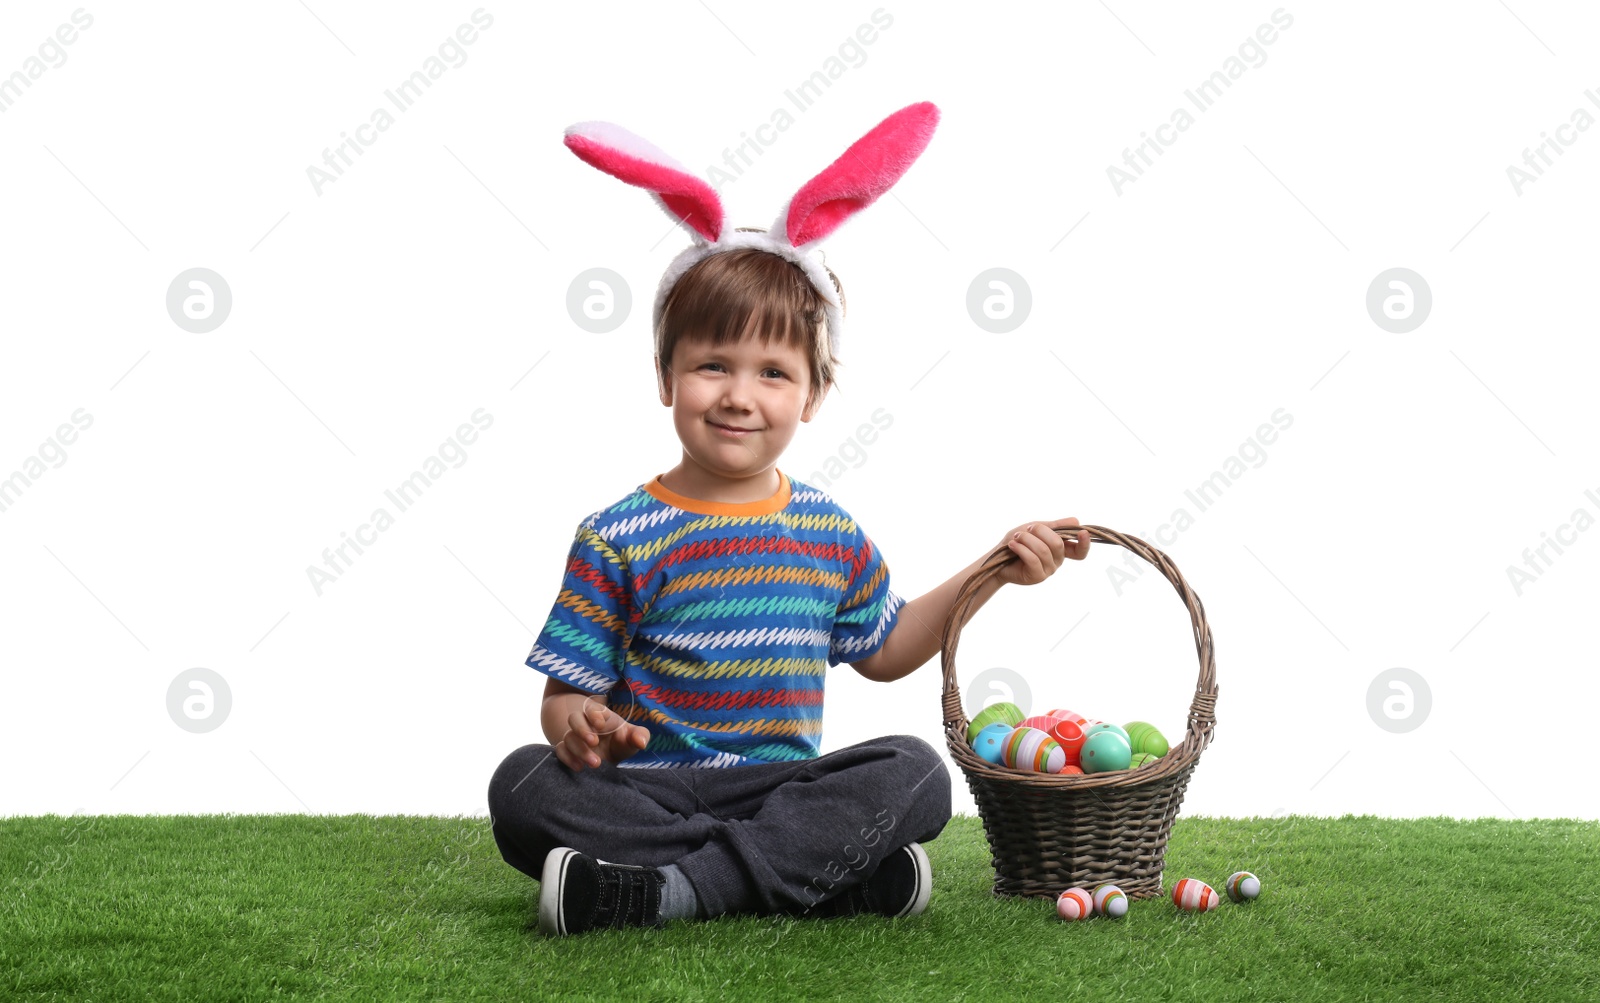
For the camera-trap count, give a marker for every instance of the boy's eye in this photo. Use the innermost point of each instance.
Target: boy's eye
(779, 374)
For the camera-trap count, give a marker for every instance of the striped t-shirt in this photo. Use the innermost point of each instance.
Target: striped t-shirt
(713, 623)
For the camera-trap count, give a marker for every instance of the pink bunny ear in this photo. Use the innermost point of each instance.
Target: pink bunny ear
(621, 154)
(865, 171)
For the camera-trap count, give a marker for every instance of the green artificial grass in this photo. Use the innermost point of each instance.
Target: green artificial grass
(370, 908)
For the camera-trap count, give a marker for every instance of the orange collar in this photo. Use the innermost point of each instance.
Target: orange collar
(701, 506)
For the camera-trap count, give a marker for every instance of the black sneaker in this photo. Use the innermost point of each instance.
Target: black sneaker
(578, 893)
(899, 887)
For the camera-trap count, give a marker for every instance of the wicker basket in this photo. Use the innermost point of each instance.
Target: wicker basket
(1049, 832)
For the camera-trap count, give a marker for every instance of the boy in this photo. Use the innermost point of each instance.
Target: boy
(696, 621)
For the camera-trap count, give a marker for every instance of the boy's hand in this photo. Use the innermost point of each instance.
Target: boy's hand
(1040, 551)
(596, 733)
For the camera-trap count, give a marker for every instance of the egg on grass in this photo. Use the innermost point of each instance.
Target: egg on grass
(1110, 901)
(1243, 886)
(1074, 903)
(1193, 895)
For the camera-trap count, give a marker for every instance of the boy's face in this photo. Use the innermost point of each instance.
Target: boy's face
(744, 386)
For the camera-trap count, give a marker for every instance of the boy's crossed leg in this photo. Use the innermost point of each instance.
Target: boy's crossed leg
(795, 838)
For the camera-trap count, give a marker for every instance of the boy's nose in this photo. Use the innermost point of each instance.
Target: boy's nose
(736, 395)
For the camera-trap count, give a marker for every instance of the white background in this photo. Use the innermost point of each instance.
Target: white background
(1168, 322)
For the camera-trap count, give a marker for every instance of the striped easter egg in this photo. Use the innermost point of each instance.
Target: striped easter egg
(1136, 731)
(1139, 759)
(1242, 885)
(1043, 722)
(1069, 736)
(1033, 750)
(1193, 895)
(1067, 715)
(1109, 901)
(1074, 903)
(1146, 737)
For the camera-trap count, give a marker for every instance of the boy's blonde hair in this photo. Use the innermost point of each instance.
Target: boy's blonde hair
(720, 294)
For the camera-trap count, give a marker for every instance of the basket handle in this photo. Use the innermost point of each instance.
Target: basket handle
(1202, 711)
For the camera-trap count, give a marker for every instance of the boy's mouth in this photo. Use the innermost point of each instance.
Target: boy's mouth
(732, 430)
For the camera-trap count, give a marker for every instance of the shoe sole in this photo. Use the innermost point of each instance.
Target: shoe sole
(552, 918)
(919, 900)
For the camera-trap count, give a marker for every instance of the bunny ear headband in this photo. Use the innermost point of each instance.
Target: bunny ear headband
(870, 167)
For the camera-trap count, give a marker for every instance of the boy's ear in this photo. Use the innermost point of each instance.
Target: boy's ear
(663, 384)
(813, 407)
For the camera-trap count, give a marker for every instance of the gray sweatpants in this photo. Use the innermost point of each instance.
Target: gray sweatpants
(767, 838)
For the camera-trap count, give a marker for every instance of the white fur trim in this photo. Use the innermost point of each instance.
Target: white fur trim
(615, 136)
(809, 262)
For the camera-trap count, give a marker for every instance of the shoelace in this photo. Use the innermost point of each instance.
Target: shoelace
(853, 901)
(629, 896)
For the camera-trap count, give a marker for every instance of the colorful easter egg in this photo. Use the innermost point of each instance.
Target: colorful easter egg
(1102, 726)
(1078, 770)
(1068, 715)
(990, 743)
(1043, 722)
(1003, 711)
(1074, 903)
(1139, 759)
(1109, 901)
(1146, 737)
(1104, 750)
(1069, 736)
(1033, 750)
(1243, 885)
(986, 729)
(1192, 895)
